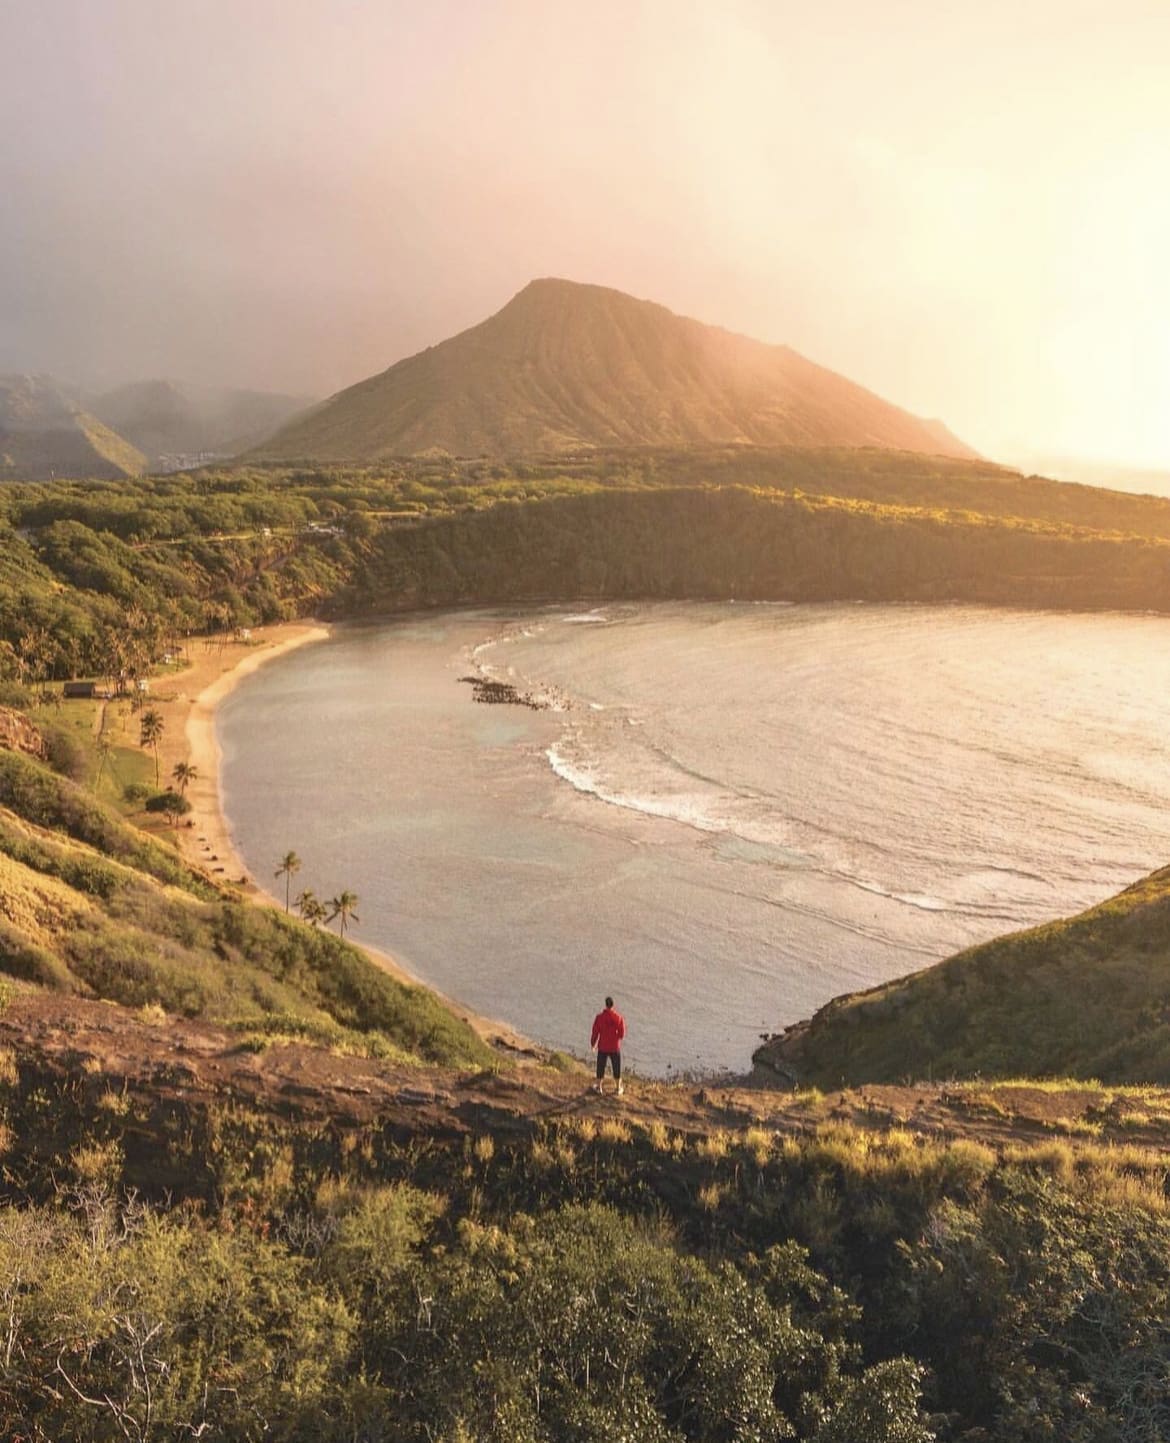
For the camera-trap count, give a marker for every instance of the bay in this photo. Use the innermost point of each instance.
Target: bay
(723, 814)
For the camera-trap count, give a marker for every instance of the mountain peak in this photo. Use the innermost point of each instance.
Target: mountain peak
(567, 366)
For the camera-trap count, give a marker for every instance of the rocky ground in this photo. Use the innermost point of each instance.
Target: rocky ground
(171, 1060)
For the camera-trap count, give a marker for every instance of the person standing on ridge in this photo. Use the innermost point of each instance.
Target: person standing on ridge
(609, 1027)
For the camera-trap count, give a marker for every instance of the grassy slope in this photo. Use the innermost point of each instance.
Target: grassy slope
(932, 483)
(1086, 997)
(89, 905)
(120, 455)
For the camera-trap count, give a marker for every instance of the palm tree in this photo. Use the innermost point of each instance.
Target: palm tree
(150, 730)
(183, 774)
(104, 747)
(311, 908)
(290, 865)
(342, 907)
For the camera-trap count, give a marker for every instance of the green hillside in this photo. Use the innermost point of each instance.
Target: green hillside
(92, 907)
(90, 572)
(565, 366)
(738, 542)
(1086, 997)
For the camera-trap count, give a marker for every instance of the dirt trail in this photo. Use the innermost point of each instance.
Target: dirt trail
(198, 1063)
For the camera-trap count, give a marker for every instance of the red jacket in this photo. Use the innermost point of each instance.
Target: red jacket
(609, 1027)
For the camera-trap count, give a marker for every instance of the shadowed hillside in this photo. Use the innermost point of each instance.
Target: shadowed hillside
(170, 423)
(44, 433)
(735, 542)
(565, 366)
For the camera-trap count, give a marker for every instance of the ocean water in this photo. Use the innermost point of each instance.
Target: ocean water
(723, 814)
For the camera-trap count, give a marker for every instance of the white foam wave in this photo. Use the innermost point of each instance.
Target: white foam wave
(694, 810)
(687, 809)
(921, 900)
(555, 701)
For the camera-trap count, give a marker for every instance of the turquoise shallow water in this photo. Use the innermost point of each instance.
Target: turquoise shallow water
(727, 814)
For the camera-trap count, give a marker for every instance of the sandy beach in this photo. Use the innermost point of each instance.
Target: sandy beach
(187, 705)
(187, 702)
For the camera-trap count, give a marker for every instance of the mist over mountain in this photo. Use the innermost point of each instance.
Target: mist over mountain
(566, 366)
(169, 421)
(45, 432)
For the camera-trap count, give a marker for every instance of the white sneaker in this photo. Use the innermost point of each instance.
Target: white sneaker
(620, 1089)
(597, 1087)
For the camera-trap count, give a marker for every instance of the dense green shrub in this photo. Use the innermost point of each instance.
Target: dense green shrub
(1050, 1319)
(24, 959)
(84, 872)
(582, 1326)
(65, 754)
(130, 1326)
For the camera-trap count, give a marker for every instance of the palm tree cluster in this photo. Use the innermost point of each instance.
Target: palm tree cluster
(340, 909)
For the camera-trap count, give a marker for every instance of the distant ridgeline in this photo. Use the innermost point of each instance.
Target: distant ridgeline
(83, 566)
(48, 430)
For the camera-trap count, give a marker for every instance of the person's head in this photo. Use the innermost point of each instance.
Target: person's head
(609, 1001)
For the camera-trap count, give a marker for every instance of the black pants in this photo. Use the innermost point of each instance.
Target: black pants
(615, 1061)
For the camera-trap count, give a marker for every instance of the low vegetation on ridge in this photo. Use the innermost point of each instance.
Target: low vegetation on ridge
(525, 1261)
(1085, 997)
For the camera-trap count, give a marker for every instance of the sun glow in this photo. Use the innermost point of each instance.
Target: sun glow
(962, 207)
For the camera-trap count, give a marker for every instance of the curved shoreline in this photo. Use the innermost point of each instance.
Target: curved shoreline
(207, 843)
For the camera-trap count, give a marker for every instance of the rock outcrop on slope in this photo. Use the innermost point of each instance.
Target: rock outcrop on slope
(17, 734)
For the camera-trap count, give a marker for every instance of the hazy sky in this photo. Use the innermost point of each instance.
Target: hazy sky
(964, 204)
